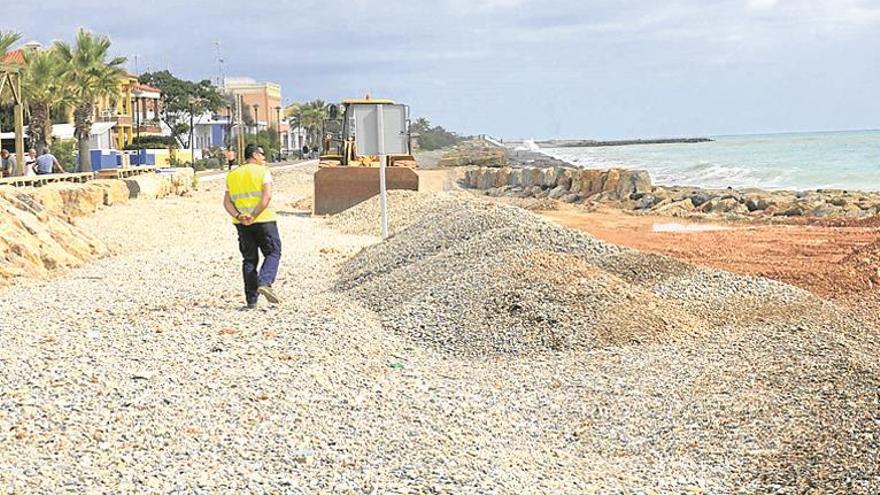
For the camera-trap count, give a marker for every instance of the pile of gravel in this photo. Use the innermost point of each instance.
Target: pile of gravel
(471, 276)
(404, 209)
(759, 383)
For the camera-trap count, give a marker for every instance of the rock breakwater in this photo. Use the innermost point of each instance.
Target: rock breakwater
(632, 190)
(570, 185)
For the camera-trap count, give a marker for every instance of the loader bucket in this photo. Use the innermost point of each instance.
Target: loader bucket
(339, 188)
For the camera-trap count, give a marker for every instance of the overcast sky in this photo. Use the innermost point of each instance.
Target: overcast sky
(520, 68)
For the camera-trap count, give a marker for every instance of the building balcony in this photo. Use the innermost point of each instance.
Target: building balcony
(119, 120)
(148, 129)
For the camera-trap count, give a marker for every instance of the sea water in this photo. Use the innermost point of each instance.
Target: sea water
(799, 161)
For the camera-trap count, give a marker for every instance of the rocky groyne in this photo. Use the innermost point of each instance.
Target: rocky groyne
(632, 190)
(570, 185)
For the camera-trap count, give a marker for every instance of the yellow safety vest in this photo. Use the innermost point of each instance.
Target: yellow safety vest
(245, 186)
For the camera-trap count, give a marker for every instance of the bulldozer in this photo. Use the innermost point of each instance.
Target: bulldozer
(346, 177)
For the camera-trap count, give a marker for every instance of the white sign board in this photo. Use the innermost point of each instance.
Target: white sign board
(366, 129)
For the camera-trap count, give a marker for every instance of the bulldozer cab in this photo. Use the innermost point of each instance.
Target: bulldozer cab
(347, 177)
(340, 137)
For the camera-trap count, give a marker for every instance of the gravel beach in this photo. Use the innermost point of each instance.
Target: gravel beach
(480, 350)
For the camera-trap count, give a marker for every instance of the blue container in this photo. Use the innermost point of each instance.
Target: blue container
(104, 159)
(143, 157)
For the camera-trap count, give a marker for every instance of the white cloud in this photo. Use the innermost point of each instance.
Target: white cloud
(828, 12)
(761, 4)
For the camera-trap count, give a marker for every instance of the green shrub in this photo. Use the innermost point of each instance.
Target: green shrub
(166, 141)
(65, 151)
(206, 163)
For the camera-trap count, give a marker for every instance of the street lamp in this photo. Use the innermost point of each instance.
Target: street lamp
(192, 133)
(137, 101)
(228, 139)
(194, 102)
(256, 118)
(278, 123)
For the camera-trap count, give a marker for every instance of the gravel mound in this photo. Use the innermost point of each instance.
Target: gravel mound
(472, 276)
(404, 209)
(743, 379)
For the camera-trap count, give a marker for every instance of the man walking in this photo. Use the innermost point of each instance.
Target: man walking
(47, 163)
(247, 198)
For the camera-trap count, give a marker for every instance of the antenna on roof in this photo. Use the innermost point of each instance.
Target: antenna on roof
(219, 65)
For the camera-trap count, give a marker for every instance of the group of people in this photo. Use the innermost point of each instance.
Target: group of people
(34, 164)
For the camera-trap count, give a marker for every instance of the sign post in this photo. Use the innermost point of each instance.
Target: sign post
(383, 159)
(381, 129)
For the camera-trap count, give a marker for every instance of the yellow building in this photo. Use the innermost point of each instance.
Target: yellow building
(121, 110)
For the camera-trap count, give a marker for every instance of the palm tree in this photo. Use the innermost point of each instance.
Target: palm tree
(7, 39)
(44, 89)
(91, 76)
(310, 116)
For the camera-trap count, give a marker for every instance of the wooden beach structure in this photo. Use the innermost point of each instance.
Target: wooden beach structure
(80, 177)
(11, 67)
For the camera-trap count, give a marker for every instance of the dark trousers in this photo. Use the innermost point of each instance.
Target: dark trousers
(253, 239)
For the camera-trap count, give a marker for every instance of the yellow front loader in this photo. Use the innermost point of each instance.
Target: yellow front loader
(345, 177)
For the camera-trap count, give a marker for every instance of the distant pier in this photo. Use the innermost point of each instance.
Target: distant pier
(589, 143)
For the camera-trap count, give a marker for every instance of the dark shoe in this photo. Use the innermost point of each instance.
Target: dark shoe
(269, 294)
(252, 305)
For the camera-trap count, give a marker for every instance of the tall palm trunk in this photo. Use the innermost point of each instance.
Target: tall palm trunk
(39, 128)
(82, 118)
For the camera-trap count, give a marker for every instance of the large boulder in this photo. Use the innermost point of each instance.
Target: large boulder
(486, 179)
(115, 191)
(573, 178)
(182, 180)
(551, 176)
(148, 186)
(501, 176)
(68, 199)
(632, 181)
(679, 208)
(557, 192)
(515, 177)
(724, 205)
(591, 182)
(48, 197)
(533, 177)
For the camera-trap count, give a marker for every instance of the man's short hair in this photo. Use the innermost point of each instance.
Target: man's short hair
(249, 150)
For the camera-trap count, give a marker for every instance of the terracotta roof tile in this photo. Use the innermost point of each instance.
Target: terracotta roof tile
(13, 57)
(147, 87)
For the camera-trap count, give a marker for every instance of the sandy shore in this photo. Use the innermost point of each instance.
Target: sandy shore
(807, 256)
(475, 352)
